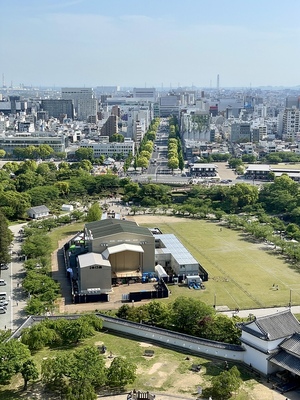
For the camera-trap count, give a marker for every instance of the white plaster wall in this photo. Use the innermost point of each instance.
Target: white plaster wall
(183, 344)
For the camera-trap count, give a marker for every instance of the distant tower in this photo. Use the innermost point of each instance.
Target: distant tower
(218, 82)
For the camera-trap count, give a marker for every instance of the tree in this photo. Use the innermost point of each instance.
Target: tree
(220, 328)
(186, 313)
(38, 336)
(5, 240)
(13, 354)
(235, 162)
(86, 165)
(120, 373)
(62, 187)
(2, 153)
(94, 213)
(225, 384)
(75, 375)
(14, 204)
(43, 194)
(76, 215)
(35, 307)
(158, 313)
(80, 390)
(173, 163)
(36, 245)
(84, 153)
(116, 137)
(73, 331)
(29, 372)
(142, 162)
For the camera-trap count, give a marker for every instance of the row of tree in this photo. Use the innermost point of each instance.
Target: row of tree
(41, 289)
(185, 315)
(146, 147)
(5, 240)
(175, 154)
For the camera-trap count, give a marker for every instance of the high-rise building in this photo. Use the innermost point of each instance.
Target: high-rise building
(240, 132)
(291, 118)
(85, 102)
(110, 127)
(55, 108)
(292, 101)
(168, 105)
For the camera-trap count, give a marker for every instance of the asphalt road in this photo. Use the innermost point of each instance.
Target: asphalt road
(13, 276)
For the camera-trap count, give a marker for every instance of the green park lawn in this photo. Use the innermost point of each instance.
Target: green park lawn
(241, 272)
(63, 233)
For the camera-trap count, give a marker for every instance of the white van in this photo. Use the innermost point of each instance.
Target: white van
(2, 282)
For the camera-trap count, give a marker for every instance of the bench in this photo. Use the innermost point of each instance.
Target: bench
(149, 353)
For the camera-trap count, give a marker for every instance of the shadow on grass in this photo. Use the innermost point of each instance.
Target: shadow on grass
(34, 391)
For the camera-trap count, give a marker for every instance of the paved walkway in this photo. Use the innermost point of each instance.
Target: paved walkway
(260, 312)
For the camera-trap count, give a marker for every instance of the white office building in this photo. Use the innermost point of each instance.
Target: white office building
(109, 149)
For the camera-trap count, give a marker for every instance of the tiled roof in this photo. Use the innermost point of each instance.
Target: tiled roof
(274, 326)
(278, 325)
(292, 345)
(287, 361)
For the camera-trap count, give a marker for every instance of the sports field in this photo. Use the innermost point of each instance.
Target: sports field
(242, 273)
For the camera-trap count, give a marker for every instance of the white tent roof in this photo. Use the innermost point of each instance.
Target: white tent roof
(85, 260)
(122, 247)
(160, 271)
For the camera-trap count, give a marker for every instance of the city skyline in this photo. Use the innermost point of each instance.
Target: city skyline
(154, 44)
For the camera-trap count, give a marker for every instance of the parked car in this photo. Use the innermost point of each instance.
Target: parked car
(3, 266)
(2, 282)
(2, 310)
(3, 303)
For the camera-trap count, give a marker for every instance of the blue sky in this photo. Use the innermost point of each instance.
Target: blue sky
(150, 43)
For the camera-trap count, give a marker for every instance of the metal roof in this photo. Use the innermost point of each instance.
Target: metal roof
(258, 167)
(175, 247)
(122, 247)
(39, 209)
(85, 260)
(113, 226)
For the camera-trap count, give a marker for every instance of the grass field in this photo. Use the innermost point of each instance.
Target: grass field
(241, 272)
(63, 233)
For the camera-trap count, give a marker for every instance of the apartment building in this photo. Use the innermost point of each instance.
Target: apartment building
(291, 118)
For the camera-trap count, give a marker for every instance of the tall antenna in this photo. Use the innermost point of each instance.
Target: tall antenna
(3, 81)
(218, 82)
